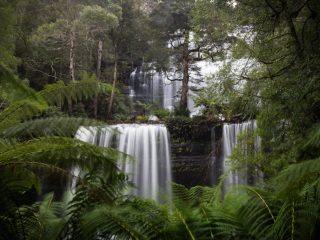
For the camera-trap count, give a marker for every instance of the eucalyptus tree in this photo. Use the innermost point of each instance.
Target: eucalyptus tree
(59, 38)
(193, 31)
(131, 41)
(214, 28)
(173, 21)
(115, 36)
(100, 21)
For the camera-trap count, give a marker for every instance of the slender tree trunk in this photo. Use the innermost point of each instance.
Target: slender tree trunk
(115, 75)
(71, 66)
(185, 72)
(99, 60)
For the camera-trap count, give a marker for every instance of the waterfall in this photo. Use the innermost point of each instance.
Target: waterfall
(150, 168)
(154, 87)
(230, 138)
(149, 86)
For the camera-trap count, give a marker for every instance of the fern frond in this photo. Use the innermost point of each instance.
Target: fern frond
(190, 223)
(16, 189)
(62, 152)
(313, 140)
(193, 196)
(18, 112)
(50, 218)
(38, 221)
(13, 89)
(59, 93)
(242, 214)
(123, 222)
(55, 126)
(92, 191)
(283, 226)
(296, 176)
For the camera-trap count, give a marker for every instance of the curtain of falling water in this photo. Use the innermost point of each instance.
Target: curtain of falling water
(229, 141)
(150, 168)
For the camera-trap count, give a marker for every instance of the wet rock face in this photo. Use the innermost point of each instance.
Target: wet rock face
(191, 163)
(198, 161)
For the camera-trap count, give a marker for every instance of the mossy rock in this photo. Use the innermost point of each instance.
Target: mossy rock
(184, 129)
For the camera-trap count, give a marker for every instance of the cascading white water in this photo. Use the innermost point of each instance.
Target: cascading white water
(154, 87)
(230, 138)
(148, 85)
(150, 168)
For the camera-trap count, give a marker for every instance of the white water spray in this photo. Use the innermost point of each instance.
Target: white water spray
(150, 168)
(230, 138)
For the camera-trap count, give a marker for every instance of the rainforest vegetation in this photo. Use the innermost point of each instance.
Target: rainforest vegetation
(67, 63)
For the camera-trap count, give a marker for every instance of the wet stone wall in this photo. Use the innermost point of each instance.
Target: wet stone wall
(197, 160)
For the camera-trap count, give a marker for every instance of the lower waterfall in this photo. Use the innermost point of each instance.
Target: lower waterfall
(230, 138)
(150, 168)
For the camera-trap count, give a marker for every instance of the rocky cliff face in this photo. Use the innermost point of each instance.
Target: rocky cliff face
(197, 161)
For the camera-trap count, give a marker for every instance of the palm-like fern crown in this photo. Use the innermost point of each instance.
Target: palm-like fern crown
(29, 143)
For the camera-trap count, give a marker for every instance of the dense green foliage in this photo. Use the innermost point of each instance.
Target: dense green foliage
(7, 33)
(184, 129)
(53, 44)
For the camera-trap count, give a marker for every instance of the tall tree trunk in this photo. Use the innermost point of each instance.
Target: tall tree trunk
(115, 75)
(99, 60)
(185, 72)
(71, 60)
(71, 66)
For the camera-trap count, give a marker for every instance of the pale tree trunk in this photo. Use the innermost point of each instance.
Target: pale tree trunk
(72, 64)
(99, 60)
(115, 75)
(185, 72)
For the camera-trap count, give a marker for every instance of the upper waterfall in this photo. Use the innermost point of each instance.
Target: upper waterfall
(150, 168)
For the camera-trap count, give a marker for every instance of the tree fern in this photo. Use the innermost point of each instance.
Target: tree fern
(296, 176)
(91, 191)
(13, 89)
(28, 144)
(58, 151)
(53, 126)
(16, 190)
(193, 196)
(59, 93)
(313, 138)
(18, 112)
(108, 222)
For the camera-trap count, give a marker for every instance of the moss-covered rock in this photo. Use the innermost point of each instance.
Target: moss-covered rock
(184, 129)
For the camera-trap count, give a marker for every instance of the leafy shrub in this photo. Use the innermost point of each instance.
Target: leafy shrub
(162, 113)
(79, 110)
(181, 112)
(120, 117)
(142, 119)
(185, 129)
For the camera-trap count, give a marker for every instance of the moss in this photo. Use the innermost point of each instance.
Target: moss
(184, 129)
(142, 119)
(162, 113)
